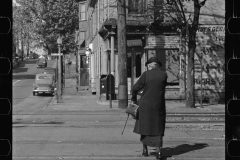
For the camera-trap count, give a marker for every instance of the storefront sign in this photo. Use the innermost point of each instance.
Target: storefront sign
(135, 42)
(162, 41)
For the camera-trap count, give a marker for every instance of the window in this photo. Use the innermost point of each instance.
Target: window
(137, 6)
(82, 38)
(82, 11)
(82, 35)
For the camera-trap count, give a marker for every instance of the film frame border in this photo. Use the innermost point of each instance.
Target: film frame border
(5, 78)
(232, 122)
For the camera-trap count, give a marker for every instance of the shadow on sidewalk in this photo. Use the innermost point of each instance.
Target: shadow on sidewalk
(18, 70)
(181, 149)
(24, 76)
(45, 95)
(31, 61)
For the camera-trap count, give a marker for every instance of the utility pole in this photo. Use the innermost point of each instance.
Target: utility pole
(122, 60)
(77, 71)
(109, 75)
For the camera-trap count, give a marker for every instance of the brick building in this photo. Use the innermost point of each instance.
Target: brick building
(83, 65)
(165, 42)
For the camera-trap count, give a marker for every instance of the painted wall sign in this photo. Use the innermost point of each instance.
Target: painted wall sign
(213, 62)
(211, 28)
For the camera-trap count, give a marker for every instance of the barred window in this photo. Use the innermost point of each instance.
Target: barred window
(137, 6)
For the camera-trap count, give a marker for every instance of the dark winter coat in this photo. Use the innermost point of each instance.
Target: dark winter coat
(152, 109)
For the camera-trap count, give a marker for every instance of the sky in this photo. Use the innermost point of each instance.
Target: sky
(14, 2)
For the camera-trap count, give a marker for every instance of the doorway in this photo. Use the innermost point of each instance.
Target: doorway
(84, 71)
(134, 70)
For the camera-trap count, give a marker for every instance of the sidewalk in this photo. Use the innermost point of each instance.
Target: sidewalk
(180, 142)
(74, 97)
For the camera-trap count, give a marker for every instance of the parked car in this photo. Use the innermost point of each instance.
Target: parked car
(41, 62)
(44, 83)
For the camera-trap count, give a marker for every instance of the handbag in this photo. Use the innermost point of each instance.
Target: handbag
(132, 109)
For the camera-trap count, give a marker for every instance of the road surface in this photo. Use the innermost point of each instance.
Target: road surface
(23, 79)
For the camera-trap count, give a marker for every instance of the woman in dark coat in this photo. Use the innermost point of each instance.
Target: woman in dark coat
(152, 110)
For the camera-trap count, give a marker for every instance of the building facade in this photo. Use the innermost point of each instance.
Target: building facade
(146, 39)
(80, 39)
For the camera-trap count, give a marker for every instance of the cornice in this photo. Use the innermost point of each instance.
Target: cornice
(80, 0)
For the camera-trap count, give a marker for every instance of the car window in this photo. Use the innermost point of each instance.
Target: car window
(49, 72)
(44, 77)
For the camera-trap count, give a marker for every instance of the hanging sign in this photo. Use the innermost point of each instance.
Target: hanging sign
(162, 41)
(135, 42)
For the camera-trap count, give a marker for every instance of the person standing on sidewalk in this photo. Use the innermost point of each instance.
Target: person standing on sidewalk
(152, 110)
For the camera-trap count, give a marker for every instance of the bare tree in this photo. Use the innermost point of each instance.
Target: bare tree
(189, 26)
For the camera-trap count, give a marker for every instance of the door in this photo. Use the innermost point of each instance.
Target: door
(133, 65)
(84, 71)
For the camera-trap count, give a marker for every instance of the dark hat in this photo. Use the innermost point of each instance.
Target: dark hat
(153, 59)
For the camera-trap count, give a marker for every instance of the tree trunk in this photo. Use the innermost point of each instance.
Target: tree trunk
(22, 47)
(122, 54)
(28, 46)
(190, 93)
(17, 44)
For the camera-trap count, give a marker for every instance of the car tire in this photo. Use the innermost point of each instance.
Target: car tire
(34, 93)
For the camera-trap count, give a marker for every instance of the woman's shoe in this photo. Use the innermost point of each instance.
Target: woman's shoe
(158, 155)
(145, 153)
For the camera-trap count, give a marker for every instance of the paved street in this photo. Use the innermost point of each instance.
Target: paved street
(23, 79)
(85, 128)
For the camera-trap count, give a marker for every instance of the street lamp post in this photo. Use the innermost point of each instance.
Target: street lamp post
(88, 54)
(109, 74)
(59, 89)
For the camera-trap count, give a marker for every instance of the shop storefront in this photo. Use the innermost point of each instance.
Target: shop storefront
(166, 48)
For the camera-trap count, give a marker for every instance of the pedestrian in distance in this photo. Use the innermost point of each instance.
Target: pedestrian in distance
(152, 110)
